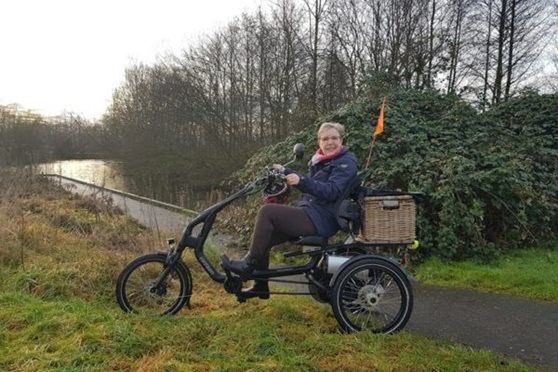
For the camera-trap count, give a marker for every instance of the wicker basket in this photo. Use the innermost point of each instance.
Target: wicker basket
(388, 219)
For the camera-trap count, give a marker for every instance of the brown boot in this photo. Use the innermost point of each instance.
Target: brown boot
(260, 289)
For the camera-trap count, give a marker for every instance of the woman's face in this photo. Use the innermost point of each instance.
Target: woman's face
(329, 141)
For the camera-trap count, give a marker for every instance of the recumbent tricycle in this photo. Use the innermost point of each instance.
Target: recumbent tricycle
(367, 291)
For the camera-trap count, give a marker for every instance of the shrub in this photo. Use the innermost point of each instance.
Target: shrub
(490, 179)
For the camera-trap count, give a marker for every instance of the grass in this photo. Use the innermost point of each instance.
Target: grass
(530, 273)
(279, 335)
(60, 256)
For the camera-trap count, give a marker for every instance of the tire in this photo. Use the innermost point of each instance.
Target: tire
(135, 291)
(372, 295)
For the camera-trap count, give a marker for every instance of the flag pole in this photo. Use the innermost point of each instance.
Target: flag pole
(370, 152)
(377, 131)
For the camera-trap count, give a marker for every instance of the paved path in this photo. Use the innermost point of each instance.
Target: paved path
(152, 213)
(523, 329)
(148, 212)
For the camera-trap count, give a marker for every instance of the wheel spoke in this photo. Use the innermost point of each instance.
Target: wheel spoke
(136, 291)
(370, 298)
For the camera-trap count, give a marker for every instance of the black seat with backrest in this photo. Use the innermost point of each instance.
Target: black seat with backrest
(348, 208)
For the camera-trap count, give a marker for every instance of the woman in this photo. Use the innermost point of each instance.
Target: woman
(333, 170)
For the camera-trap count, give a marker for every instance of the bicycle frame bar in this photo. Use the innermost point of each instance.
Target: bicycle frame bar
(207, 218)
(286, 271)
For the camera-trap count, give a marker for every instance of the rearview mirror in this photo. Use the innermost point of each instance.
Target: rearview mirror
(299, 149)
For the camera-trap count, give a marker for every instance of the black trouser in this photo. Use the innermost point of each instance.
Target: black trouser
(275, 224)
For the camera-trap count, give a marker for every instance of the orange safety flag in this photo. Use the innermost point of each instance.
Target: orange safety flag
(377, 131)
(380, 126)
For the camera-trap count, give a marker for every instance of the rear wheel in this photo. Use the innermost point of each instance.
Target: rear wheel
(146, 286)
(372, 295)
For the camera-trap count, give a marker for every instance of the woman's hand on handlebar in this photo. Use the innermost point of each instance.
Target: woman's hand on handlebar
(292, 179)
(278, 167)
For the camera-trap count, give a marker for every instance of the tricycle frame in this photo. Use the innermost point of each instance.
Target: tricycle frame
(367, 270)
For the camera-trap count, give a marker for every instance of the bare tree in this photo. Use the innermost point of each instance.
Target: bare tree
(488, 45)
(316, 11)
(457, 39)
(512, 35)
(347, 45)
(268, 74)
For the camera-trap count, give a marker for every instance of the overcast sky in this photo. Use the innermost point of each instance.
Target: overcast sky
(69, 55)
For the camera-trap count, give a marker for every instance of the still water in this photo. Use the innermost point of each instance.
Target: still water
(104, 173)
(168, 188)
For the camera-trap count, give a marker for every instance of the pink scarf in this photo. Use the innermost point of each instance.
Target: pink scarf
(320, 156)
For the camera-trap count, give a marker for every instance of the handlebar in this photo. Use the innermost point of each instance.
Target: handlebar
(272, 178)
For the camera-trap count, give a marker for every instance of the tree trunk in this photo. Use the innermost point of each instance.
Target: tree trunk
(496, 98)
(431, 45)
(510, 51)
(487, 58)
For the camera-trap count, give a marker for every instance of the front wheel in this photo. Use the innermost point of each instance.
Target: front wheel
(372, 295)
(148, 286)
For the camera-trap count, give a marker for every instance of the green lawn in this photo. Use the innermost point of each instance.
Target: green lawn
(530, 273)
(216, 334)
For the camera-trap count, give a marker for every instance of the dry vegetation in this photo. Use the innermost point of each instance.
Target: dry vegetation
(60, 256)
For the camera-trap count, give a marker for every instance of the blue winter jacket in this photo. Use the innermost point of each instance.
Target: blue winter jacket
(326, 184)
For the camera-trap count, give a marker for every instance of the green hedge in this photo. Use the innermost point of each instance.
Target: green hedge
(490, 178)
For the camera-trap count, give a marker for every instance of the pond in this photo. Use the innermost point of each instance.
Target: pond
(169, 188)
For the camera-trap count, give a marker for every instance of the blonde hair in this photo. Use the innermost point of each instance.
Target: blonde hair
(332, 125)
